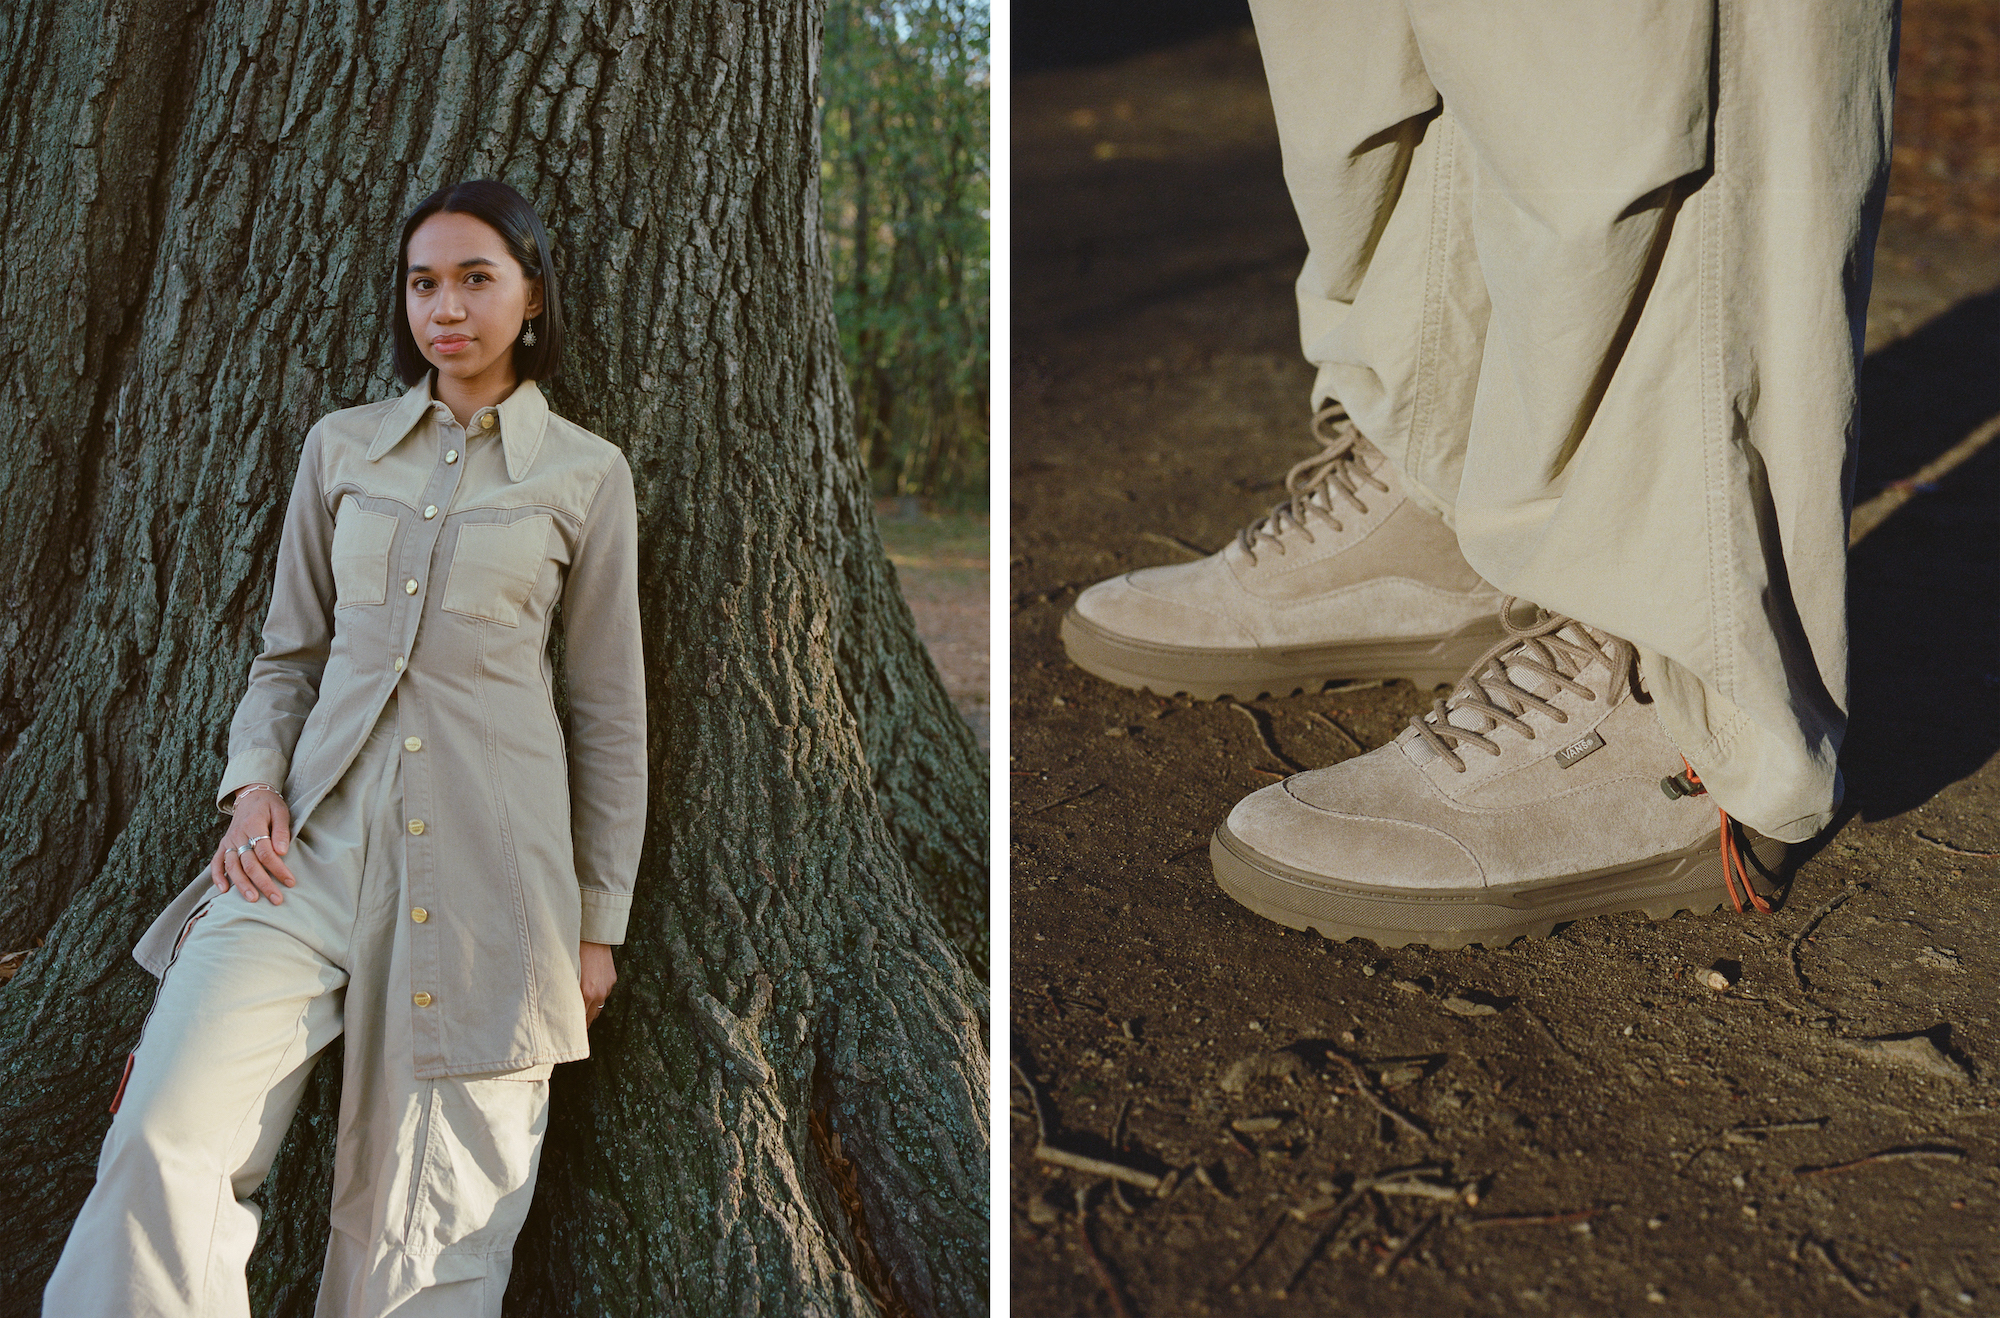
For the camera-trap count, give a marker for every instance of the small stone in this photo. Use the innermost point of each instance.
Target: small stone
(1263, 1125)
(1938, 958)
(1059, 703)
(1114, 732)
(1398, 1076)
(1915, 1052)
(1655, 1223)
(1738, 1181)
(1259, 1066)
(1715, 977)
(1368, 971)
(1406, 986)
(1654, 1295)
(1043, 1210)
(1256, 1027)
(1459, 1006)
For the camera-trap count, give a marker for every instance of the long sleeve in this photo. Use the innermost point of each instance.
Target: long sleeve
(298, 635)
(605, 670)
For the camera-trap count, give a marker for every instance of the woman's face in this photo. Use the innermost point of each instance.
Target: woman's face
(467, 299)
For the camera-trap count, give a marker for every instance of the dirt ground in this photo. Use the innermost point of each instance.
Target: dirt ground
(943, 566)
(1636, 1141)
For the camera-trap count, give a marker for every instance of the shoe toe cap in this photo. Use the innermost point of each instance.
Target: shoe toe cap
(1181, 606)
(1337, 827)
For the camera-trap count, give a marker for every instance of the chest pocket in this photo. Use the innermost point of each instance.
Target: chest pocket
(361, 542)
(495, 566)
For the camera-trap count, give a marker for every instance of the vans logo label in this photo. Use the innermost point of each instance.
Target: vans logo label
(1569, 755)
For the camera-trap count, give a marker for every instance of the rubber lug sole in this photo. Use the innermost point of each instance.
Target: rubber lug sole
(1208, 674)
(1688, 880)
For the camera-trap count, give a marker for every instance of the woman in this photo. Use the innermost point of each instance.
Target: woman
(416, 859)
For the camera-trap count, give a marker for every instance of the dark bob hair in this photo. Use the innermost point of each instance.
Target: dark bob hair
(510, 216)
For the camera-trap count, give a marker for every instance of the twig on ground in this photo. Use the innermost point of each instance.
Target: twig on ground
(1186, 851)
(1402, 1251)
(1847, 1279)
(1201, 1174)
(1036, 1099)
(1352, 740)
(1267, 734)
(1942, 845)
(1812, 923)
(1116, 1171)
(1529, 1219)
(1754, 1134)
(1366, 1089)
(1065, 800)
(1420, 1190)
(1871, 514)
(1403, 1181)
(1118, 1126)
(1319, 1242)
(1263, 1243)
(1104, 1277)
(1909, 1153)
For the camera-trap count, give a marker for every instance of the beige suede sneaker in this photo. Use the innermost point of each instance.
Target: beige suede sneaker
(1541, 790)
(1347, 578)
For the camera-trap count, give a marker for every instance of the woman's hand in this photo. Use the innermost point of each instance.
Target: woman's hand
(598, 977)
(259, 834)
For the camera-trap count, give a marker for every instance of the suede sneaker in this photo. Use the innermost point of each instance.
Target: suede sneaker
(1542, 790)
(1347, 578)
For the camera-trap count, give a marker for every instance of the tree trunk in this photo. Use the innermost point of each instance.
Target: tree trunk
(202, 203)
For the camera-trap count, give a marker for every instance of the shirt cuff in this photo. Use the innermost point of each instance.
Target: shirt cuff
(604, 916)
(259, 764)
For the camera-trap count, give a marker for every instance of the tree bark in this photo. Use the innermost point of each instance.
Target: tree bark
(202, 202)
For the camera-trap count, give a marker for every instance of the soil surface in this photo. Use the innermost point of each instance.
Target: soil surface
(1636, 1141)
(943, 565)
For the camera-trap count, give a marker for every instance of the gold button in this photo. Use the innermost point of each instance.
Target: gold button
(419, 914)
(450, 456)
(421, 999)
(410, 586)
(399, 663)
(486, 422)
(416, 825)
(413, 743)
(430, 512)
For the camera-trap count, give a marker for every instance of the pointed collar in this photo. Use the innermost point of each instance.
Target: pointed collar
(524, 420)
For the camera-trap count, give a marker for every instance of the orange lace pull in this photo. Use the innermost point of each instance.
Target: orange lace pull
(1735, 868)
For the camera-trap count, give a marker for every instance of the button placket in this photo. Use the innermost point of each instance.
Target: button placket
(419, 564)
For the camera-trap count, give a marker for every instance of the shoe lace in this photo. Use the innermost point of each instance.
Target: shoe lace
(1336, 472)
(1492, 688)
(1735, 868)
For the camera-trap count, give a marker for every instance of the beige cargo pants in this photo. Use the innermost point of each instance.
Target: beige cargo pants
(432, 1178)
(1593, 274)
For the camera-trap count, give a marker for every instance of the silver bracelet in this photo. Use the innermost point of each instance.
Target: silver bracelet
(229, 807)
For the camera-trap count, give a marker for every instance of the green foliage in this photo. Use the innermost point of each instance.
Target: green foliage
(903, 130)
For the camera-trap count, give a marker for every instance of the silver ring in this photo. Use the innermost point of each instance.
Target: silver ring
(255, 840)
(247, 846)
